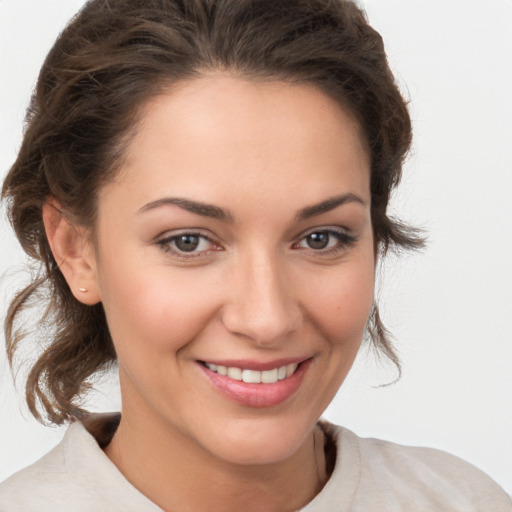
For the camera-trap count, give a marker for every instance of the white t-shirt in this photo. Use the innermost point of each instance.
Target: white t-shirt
(369, 476)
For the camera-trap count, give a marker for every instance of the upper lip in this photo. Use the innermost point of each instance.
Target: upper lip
(256, 365)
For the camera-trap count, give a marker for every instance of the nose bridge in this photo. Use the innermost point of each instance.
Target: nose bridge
(262, 304)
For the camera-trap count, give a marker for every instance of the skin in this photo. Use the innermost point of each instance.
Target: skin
(254, 290)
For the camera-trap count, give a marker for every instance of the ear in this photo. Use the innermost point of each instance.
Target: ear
(73, 253)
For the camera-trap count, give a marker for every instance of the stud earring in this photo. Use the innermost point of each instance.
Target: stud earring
(83, 290)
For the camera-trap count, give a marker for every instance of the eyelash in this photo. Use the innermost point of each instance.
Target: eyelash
(344, 241)
(166, 244)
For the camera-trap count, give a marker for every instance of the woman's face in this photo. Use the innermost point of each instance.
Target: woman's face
(237, 239)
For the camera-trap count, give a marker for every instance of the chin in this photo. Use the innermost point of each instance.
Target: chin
(253, 442)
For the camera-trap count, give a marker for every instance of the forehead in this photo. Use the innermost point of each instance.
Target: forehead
(245, 135)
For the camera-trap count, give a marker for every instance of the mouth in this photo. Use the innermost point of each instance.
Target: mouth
(256, 384)
(254, 376)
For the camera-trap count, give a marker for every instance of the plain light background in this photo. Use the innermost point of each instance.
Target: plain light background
(448, 308)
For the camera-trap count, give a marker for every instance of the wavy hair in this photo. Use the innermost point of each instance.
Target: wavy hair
(109, 61)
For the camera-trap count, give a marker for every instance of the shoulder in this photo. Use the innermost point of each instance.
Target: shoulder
(416, 478)
(40, 486)
(76, 475)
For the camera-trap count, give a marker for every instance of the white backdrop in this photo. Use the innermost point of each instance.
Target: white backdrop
(449, 308)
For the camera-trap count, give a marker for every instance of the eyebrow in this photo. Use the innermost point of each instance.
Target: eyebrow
(199, 208)
(215, 212)
(328, 205)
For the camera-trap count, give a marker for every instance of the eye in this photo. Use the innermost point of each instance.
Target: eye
(319, 240)
(325, 241)
(187, 244)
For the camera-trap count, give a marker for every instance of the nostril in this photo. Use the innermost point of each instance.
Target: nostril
(264, 328)
(261, 305)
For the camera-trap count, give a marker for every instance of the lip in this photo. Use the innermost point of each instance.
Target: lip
(256, 365)
(257, 395)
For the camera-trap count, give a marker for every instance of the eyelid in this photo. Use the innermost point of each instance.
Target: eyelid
(171, 233)
(336, 230)
(164, 241)
(344, 237)
(330, 228)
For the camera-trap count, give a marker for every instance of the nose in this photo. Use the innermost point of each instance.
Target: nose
(262, 302)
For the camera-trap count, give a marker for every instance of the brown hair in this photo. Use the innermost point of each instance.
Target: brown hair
(114, 56)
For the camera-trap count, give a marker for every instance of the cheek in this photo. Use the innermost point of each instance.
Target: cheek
(343, 303)
(157, 308)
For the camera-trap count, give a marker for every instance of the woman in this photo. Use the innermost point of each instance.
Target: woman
(206, 185)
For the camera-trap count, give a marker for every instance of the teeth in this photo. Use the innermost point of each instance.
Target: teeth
(254, 376)
(269, 376)
(235, 373)
(290, 369)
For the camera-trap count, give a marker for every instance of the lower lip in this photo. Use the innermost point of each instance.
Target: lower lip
(257, 395)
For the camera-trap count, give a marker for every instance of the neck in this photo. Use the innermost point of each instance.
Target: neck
(177, 474)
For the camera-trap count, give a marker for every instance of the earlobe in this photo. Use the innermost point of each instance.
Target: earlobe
(73, 253)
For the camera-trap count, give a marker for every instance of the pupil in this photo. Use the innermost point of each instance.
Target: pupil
(187, 243)
(318, 240)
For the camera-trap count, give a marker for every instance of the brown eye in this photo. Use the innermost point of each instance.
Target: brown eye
(326, 241)
(187, 243)
(319, 240)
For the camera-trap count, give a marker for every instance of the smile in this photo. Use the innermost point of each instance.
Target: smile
(256, 384)
(254, 376)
